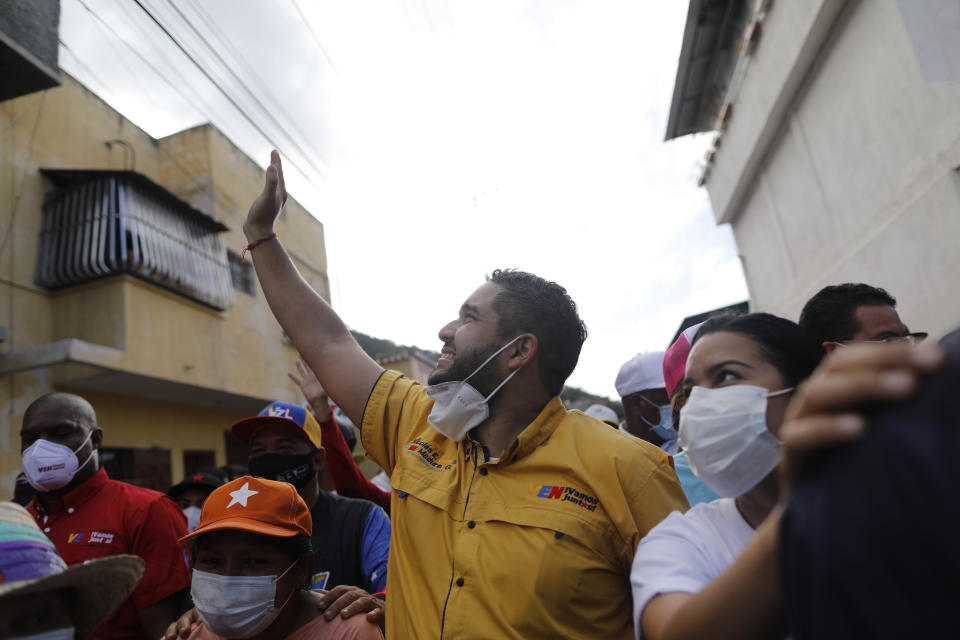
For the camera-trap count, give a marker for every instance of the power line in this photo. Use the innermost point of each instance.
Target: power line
(224, 40)
(222, 91)
(316, 38)
(142, 58)
(266, 110)
(176, 87)
(23, 178)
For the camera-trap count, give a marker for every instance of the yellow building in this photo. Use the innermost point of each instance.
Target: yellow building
(120, 280)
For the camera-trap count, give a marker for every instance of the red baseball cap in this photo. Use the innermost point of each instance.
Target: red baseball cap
(285, 415)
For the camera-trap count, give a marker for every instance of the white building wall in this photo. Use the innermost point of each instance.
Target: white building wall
(855, 179)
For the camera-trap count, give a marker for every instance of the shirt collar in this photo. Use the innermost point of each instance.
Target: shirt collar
(537, 431)
(76, 497)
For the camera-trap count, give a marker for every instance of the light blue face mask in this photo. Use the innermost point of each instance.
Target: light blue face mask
(664, 429)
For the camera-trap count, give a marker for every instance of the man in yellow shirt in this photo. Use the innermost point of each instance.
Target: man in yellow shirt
(512, 517)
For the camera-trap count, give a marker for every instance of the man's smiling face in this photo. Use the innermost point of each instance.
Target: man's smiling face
(469, 340)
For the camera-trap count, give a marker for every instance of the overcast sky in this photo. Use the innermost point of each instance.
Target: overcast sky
(454, 138)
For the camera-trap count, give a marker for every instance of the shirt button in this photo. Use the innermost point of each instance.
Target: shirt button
(70, 510)
(459, 582)
(47, 530)
(483, 472)
(471, 524)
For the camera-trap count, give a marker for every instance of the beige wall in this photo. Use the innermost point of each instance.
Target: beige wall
(148, 332)
(839, 164)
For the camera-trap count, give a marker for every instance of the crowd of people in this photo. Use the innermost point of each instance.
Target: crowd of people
(770, 479)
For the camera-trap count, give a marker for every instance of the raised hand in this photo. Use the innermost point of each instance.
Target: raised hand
(824, 410)
(312, 390)
(265, 209)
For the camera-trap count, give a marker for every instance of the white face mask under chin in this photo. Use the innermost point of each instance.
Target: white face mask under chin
(458, 407)
(724, 432)
(49, 466)
(237, 606)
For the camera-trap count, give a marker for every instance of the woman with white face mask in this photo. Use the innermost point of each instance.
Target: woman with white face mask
(253, 568)
(740, 375)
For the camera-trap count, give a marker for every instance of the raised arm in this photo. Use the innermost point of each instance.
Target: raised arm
(318, 333)
(347, 477)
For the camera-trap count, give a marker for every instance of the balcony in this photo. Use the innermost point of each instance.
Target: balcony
(98, 224)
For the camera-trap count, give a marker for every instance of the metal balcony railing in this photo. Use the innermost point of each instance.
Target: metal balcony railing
(101, 223)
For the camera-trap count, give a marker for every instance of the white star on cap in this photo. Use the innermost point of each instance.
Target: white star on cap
(241, 495)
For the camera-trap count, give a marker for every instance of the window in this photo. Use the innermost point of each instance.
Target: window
(148, 468)
(241, 273)
(100, 223)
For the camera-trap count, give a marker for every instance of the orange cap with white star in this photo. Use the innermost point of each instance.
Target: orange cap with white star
(256, 505)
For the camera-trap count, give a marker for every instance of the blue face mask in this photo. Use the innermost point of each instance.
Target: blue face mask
(664, 429)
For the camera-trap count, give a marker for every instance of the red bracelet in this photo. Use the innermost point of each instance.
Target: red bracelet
(253, 245)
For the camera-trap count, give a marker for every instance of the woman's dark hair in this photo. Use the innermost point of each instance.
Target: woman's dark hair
(793, 350)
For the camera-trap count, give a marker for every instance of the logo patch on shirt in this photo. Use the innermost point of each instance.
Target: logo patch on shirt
(565, 494)
(425, 453)
(98, 537)
(319, 580)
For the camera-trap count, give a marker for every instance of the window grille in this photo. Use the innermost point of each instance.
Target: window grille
(101, 223)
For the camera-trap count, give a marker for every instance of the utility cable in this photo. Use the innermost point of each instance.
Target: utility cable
(223, 92)
(316, 38)
(266, 110)
(143, 59)
(224, 40)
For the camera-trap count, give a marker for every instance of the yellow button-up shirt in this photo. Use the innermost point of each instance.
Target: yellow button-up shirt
(536, 544)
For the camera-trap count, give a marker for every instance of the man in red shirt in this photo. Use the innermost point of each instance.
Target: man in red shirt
(87, 515)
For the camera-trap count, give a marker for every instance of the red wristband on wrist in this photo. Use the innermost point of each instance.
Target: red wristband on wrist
(253, 245)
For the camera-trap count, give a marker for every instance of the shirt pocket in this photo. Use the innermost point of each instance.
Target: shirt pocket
(555, 575)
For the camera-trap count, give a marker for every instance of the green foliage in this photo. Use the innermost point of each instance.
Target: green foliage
(576, 398)
(378, 348)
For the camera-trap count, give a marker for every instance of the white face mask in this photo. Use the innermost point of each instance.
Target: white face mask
(724, 432)
(193, 517)
(236, 606)
(664, 429)
(49, 466)
(56, 634)
(458, 407)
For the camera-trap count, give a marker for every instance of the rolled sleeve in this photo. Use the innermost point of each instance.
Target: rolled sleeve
(397, 406)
